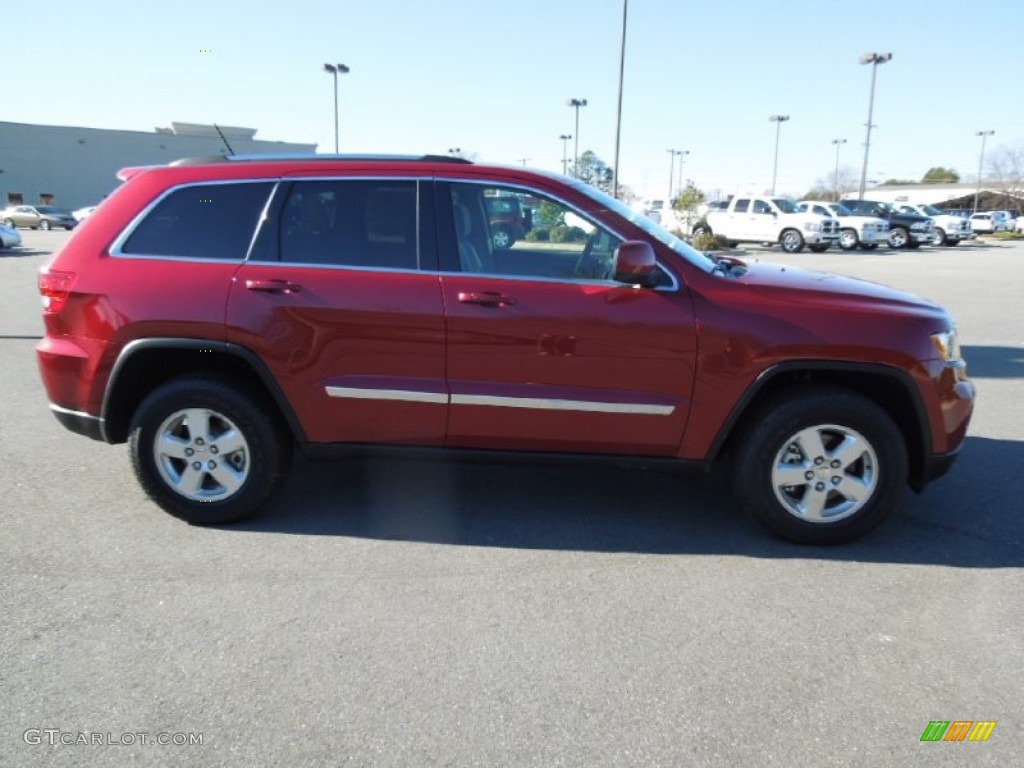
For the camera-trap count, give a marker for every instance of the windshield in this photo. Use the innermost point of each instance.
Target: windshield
(931, 210)
(608, 202)
(839, 209)
(786, 206)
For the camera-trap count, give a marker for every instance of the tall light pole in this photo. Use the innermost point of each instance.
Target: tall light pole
(455, 151)
(565, 161)
(682, 154)
(336, 69)
(618, 112)
(981, 159)
(523, 160)
(874, 59)
(671, 172)
(576, 104)
(835, 179)
(778, 120)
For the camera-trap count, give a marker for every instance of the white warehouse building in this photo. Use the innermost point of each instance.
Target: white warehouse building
(74, 167)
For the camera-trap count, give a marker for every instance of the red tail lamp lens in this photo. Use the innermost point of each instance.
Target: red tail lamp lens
(55, 287)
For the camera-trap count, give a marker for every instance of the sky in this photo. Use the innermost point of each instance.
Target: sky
(492, 78)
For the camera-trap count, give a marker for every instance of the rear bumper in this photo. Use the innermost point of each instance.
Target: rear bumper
(80, 423)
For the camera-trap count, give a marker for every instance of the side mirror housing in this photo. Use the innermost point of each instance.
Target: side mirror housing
(635, 263)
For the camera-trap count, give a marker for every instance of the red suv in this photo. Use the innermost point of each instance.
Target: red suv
(215, 313)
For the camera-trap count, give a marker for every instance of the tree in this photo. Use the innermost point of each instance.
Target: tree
(594, 171)
(940, 175)
(826, 188)
(688, 200)
(899, 182)
(1006, 168)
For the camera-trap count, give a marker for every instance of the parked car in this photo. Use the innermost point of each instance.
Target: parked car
(37, 217)
(867, 232)
(906, 230)
(770, 220)
(9, 237)
(343, 304)
(949, 229)
(983, 223)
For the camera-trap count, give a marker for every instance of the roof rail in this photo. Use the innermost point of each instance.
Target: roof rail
(269, 157)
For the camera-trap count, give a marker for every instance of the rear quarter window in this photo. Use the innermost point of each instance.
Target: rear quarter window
(204, 221)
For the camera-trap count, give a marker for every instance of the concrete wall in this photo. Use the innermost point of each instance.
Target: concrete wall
(78, 166)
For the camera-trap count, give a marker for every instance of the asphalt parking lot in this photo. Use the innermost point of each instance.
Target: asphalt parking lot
(397, 613)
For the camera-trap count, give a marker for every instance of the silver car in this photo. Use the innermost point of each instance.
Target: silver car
(37, 217)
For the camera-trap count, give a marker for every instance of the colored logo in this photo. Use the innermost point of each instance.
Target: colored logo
(958, 730)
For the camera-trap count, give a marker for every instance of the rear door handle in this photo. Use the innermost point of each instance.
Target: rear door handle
(486, 299)
(273, 286)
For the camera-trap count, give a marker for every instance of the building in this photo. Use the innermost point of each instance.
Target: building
(960, 196)
(75, 167)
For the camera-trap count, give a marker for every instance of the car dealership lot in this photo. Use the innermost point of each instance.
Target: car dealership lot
(402, 613)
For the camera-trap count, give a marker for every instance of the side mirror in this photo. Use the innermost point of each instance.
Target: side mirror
(635, 263)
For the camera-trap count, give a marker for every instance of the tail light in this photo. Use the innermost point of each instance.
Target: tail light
(55, 287)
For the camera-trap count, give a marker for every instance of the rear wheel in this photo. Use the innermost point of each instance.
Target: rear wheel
(820, 466)
(44, 225)
(502, 238)
(207, 450)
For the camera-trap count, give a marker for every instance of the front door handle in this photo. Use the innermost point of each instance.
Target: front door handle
(273, 286)
(486, 299)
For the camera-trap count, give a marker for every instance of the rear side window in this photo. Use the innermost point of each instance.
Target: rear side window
(741, 206)
(351, 223)
(204, 221)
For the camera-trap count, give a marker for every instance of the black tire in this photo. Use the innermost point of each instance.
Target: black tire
(848, 239)
(791, 241)
(44, 225)
(262, 464)
(898, 237)
(773, 442)
(868, 246)
(819, 248)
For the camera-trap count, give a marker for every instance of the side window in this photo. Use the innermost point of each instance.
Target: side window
(351, 224)
(760, 206)
(821, 210)
(742, 206)
(204, 221)
(507, 231)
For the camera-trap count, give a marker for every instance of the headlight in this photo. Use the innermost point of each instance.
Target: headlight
(812, 226)
(919, 226)
(947, 345)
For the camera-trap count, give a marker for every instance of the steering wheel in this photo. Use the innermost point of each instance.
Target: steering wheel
(587, 267)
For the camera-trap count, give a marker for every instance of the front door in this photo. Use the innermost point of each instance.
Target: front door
(545, 350)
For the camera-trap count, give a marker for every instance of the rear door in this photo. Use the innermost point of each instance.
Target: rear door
(342, 300)
(545, 351)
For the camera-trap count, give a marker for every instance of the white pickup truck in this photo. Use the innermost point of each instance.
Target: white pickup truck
(771, 220)
(867, 232)
(949, 229)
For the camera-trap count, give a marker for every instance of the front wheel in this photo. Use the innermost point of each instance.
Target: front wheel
(207, 450)
(820, 466)
(939, 237)
(9, 223)
(848, 239)
(898, 237)
(791, 241)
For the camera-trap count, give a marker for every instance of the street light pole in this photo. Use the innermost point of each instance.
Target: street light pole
(778, 120)
(618, 112)
(671, 173)
(981, 159)
(682, 154)
(835, 179)
(335, 70)
(565, 143)
(874, 59)
(576, 104)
